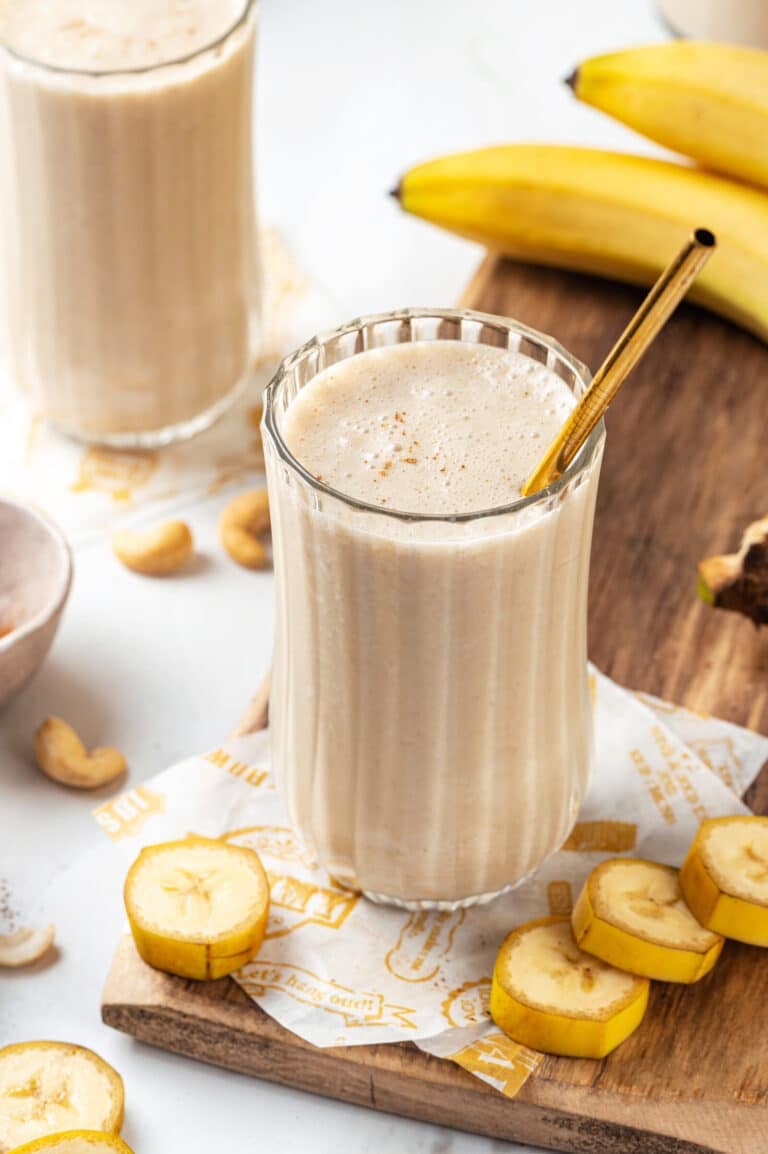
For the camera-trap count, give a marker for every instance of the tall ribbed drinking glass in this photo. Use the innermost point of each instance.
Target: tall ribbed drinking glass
(430, 714)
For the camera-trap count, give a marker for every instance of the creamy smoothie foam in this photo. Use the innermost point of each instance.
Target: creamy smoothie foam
(433, 427)
(429, 710)
(107, 35)
(129, 283)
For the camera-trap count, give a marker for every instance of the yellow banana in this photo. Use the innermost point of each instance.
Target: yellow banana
(708, 101)
(607, 213)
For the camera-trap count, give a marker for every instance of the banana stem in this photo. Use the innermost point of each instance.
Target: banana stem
(653, 313)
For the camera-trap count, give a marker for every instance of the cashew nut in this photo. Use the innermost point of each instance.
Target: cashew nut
(62, 756)
(157, 551)
(25, 946)
(242, 522)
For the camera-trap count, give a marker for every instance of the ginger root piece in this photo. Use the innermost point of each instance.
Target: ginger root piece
(739, 581)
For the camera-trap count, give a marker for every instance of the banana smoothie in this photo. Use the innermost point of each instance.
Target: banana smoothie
(430, 717)
(129, 281)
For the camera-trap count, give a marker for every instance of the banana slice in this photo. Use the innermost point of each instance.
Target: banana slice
(77, 1142)
(548, 994)
(50, 1087)
(724, 878)
(197, 908)
(632, 914)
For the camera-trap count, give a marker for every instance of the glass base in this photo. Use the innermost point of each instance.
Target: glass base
(446, 906)
(157, 438)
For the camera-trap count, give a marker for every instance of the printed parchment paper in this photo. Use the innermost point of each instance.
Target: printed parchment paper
(88, 490)
(339, 970)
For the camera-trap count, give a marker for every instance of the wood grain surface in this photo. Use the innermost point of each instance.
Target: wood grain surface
(684, 471)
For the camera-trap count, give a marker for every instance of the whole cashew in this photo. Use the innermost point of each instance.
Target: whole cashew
(243, 520)
(155, 552)
(62, 756)
(25, 946)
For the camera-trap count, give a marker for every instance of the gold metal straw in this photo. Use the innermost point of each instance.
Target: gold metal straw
(655, 310)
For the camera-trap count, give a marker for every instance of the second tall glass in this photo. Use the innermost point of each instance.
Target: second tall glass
(129, 285)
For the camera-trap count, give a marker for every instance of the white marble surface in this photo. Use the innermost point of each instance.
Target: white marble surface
(349, 94)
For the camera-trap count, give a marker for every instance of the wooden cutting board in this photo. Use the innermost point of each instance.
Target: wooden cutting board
(685, 469)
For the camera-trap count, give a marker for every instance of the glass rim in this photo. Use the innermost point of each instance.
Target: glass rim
(578, 465)
(140, 70)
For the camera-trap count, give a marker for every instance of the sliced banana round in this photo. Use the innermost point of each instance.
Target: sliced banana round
(548, 994)
(724, 878)
(25, 946)
(632, 914)
(50, 1087)
(198, 907)
(77, 1142)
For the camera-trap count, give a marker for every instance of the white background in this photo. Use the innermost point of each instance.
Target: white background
(349, 95)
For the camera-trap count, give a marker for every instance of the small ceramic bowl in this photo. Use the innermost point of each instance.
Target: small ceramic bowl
(35, 577)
